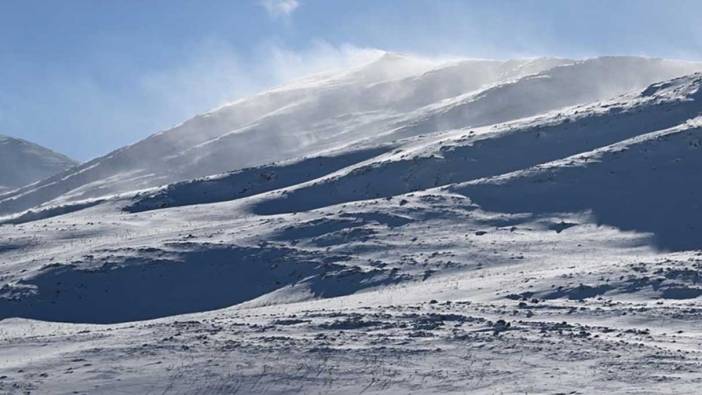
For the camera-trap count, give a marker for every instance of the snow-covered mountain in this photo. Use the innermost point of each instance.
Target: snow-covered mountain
(497, 226)
(22, 163)
(393, 97)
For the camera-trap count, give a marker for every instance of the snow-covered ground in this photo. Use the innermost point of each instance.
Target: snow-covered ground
(393, 97)
(534, 229)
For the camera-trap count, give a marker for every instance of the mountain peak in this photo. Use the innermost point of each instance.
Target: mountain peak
(23, 162)
(392, 65)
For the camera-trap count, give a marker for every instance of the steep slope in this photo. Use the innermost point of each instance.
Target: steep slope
(337, 224)
(649, 184)
(393, 97)
(532, 256)
(464, 155)
(623, 172)
(561, 86)
(260, 129)
(22, 163)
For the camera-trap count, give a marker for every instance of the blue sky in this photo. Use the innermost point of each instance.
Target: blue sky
(85, 77)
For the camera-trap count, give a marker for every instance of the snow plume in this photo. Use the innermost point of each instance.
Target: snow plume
(286, 65)
(213, 74)
(276, 8)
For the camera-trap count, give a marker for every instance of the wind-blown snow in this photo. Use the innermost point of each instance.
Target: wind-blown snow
(523, 226)
(393, 97)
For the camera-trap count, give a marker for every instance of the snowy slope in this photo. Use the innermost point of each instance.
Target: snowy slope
(648, 184)
(393, 97)
(463, 155)
(548, 254)
(625, 134)
(22, 163)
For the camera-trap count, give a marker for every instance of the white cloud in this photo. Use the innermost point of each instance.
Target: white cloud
(278, 8)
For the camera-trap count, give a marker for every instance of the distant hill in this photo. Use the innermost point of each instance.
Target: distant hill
(22, 163)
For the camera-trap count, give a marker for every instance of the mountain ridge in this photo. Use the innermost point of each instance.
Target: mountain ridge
(325, 114)
(23, 162)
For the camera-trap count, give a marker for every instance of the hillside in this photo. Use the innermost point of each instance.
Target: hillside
(393, 97)
(22, 163)
(534, 229)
